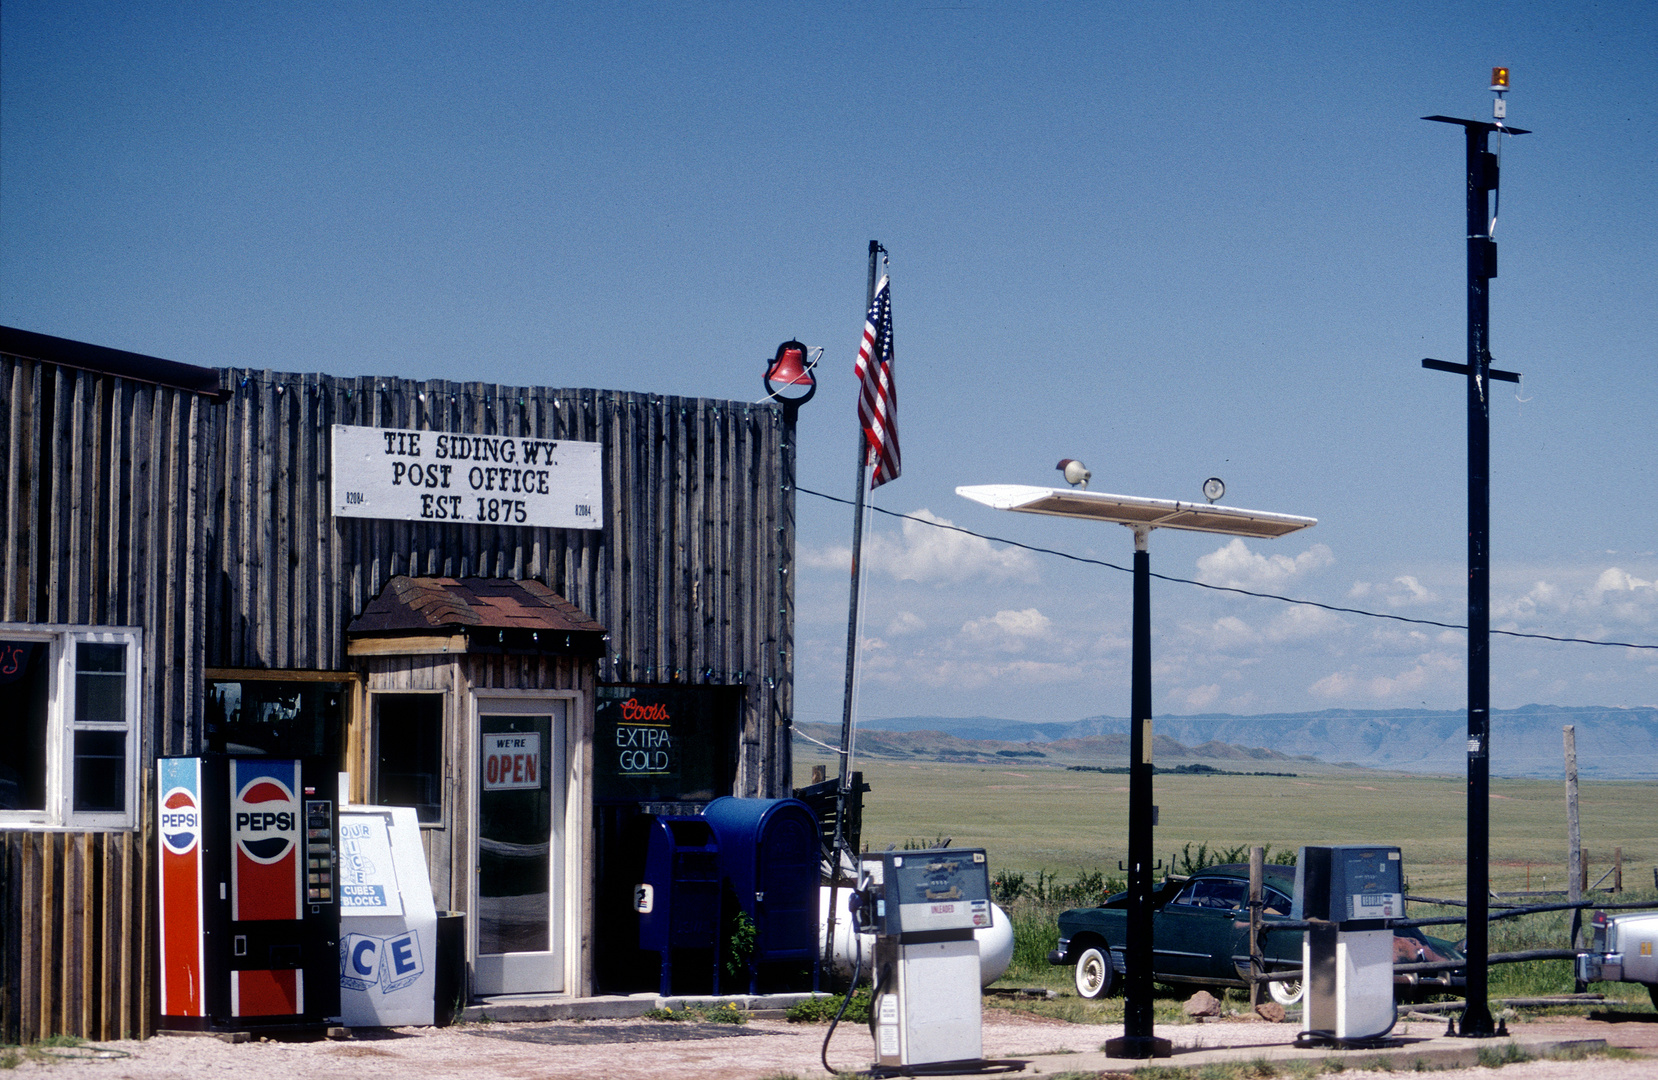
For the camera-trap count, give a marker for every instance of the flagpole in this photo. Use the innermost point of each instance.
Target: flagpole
(875, 250)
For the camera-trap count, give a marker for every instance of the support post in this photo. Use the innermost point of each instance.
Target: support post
(1138, 1039)
(1476, 1018)
(842, 787)
(1481, 181)
(1574, 841)
(1257, 871)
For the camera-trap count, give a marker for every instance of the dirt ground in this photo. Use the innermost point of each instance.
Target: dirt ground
(759, 1050)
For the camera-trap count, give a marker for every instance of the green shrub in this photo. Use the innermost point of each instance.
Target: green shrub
(821, 1010)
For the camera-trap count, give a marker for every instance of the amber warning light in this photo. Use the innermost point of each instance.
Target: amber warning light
(1499, 86)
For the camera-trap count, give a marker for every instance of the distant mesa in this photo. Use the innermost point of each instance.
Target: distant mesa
(1612, 743)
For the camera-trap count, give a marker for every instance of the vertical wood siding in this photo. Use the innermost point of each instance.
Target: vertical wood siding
(101, 523)
(208, 525)
(73, 947)
(688, 575)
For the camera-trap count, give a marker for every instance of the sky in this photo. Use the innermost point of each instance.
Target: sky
(1170, 240)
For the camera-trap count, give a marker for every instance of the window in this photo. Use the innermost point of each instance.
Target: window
(1214, 893)
(69, 745)
(408, 765)
(283, 713)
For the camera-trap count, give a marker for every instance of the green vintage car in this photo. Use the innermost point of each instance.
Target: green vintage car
(1200, 934)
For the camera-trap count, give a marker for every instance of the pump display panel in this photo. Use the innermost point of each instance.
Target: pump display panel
(927, 891)
(1352, 884)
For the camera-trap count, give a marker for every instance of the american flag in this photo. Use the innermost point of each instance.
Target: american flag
(878, 396)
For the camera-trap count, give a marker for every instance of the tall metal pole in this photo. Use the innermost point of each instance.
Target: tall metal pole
(845, 779)
(1482, 180)
(1482, 257)
(1138, 1039)
(852, 615)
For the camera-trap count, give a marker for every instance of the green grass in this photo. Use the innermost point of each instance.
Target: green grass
(1033, 818)
(1060, 833)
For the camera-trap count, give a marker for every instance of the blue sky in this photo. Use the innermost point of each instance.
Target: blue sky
(1172, 240)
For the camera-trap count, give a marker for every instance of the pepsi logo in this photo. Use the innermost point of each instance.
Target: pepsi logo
(180, 821)
(265, 819)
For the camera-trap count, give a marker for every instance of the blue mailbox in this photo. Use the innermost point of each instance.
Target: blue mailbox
(679, 901)
(771, 861)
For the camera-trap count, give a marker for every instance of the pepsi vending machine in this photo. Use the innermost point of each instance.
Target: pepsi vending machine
(249, 920)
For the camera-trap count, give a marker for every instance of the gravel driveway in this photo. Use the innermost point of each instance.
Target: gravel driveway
(761, 1049)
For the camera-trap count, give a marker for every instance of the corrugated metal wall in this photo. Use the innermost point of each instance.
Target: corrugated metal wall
(690, 574)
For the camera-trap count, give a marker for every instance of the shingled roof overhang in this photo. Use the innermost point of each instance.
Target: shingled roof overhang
(473, 615)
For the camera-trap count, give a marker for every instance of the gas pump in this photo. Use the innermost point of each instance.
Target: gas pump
(924, 906)
(1347, 963)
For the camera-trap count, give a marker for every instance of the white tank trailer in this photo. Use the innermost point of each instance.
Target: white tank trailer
(995, 941)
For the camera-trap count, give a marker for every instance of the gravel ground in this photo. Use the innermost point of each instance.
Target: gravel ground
(761, 1049)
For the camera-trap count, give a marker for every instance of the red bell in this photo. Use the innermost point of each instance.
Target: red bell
(789, 368)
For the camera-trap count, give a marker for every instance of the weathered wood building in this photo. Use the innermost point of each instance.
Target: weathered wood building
(176, 566)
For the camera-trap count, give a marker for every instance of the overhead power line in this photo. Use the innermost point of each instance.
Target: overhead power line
(1224, 588)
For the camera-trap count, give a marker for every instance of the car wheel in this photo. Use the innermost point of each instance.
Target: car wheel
(1287, 993)
(1096, 976)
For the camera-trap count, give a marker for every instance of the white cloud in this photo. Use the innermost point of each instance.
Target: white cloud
(905, 622)
(925, 554)
(1198, 698)
(1615, 595)
(1236, 566)
(1296, 622)
(1010, 631)
(1403, 591)
(1431, 673)
(955, 674)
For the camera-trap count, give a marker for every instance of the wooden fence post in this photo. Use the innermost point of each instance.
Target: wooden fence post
(1257, 861)
(1575, 870)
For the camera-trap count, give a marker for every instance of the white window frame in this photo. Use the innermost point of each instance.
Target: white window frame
(61, 725)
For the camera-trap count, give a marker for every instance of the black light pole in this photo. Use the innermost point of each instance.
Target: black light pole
(1138, 1040)
(1142, 515)
(1482, 267)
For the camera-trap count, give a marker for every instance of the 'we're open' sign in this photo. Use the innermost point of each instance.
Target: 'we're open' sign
(512, 762)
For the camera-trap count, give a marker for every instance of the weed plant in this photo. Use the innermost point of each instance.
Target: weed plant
(821, 1010)
(709, 1014)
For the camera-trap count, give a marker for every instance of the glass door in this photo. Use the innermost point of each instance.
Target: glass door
(518, 895)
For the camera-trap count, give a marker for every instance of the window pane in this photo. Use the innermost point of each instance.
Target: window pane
(100, 683)
(101, 770)
(283, 719)
(409, 734)
(24, 686)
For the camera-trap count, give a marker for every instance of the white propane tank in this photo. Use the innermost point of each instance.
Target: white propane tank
(995, 941)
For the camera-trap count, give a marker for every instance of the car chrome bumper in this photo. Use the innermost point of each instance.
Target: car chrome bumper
(1600, 967)
(1061, 955)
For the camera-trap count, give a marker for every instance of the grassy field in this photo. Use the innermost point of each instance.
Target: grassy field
(1033, 818)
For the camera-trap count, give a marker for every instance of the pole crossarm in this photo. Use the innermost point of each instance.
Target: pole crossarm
(1480, 125)
(1494, 374)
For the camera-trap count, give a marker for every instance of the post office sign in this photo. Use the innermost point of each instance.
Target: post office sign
(406, 475)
